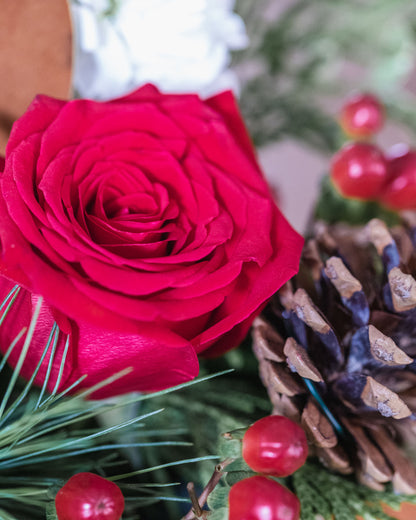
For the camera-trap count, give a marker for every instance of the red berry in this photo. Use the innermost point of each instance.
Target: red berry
(275, 445)
(261, 498)
(362, 116)
(400, 191)
(359, 170)
(89, 497)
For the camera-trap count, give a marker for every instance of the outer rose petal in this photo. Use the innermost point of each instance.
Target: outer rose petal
(254, 293)
(11, 247)
(147, 92)
(226, 105)
(158, 360)
(41, 112)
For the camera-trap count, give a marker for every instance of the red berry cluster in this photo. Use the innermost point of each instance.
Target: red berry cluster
(89, 496)
(273, 446)
(361, 170)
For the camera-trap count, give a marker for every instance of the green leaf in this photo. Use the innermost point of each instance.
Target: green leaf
(239, 465)
(235, 476)
(218, 499)
(235, 434)
(229, 448)
(219, 514)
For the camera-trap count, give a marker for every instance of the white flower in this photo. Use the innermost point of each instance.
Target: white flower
(179, 45)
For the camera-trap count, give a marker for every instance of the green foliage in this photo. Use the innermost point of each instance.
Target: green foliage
(45, 439)
(322, 495)
(205, 412)
(333, 207)
(272, 115)
(335, 496)
(218, 499)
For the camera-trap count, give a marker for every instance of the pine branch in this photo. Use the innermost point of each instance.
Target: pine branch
(38, 429)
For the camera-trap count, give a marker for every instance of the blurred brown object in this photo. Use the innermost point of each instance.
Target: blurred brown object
(35, 55)
(407, 511)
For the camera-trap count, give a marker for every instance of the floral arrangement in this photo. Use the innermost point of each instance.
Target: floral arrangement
(141, 244)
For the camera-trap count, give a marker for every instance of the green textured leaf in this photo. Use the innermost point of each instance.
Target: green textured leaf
(218, 499)
(239, 465)
(235, 434)
(235, 476)
(229, 448)
(219, 514)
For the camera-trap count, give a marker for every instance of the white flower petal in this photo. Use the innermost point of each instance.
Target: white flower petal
(180, 45)
(106, 72)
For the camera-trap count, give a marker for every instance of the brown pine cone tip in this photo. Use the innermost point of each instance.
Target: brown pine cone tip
(337, 345)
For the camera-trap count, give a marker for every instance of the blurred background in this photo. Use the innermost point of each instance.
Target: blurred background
(291, 62)
(304, 58)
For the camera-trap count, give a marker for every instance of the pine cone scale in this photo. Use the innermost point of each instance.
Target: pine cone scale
(317, 426)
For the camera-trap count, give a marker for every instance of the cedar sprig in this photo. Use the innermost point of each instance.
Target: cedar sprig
(341, 498)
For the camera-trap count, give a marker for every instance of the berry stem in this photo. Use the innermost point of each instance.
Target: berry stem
(196, 507)
(197, 503)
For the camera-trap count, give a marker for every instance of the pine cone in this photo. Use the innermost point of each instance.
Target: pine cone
(336, 349)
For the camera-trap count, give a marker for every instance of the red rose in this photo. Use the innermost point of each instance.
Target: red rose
(146, 226)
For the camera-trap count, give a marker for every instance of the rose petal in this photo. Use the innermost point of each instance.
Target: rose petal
(41, 112)
(158, 360)
(226, 105)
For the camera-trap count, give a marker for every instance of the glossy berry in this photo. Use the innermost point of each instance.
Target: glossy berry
(261, 498)
(400, 191)
(275, 445)
(87, 496)
(362, 116)
(359, 170)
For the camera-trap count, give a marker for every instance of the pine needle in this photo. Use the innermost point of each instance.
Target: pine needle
(161, 466)
(22, 356)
